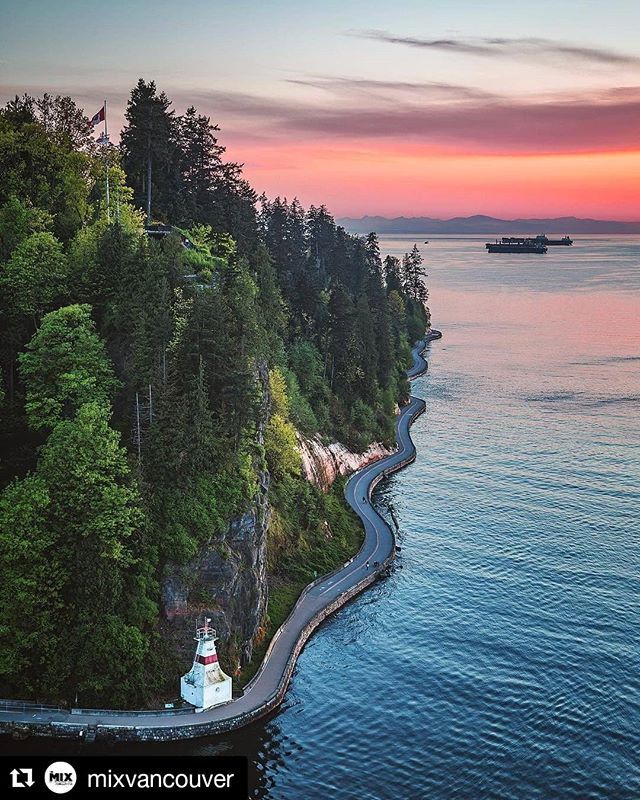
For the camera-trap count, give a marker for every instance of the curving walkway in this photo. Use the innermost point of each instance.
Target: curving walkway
(267, 688)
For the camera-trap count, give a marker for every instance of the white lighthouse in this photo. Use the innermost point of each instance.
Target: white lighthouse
(205, 685)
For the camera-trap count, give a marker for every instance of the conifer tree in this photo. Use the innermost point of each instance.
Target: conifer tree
(199, 163)
(151, 157)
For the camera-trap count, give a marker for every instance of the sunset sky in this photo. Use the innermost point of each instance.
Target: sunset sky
(408, 108)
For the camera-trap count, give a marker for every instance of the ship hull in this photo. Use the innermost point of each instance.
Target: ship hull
(514, 248)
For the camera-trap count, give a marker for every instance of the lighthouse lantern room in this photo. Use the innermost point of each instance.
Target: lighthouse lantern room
(205, 685)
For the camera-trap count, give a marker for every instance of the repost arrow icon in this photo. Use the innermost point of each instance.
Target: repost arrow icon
(16, 783)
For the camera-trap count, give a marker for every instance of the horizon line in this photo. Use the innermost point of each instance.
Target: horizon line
(492, 217)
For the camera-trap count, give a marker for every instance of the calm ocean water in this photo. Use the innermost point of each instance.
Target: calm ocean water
(502, 658)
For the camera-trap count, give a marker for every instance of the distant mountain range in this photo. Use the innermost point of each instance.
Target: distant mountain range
(479, 223)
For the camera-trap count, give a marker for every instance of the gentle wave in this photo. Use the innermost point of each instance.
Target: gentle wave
(501, 659)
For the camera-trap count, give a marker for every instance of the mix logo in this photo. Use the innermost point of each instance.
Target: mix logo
(60, 777)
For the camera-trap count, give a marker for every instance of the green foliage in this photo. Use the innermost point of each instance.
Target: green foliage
(412, 276)
(18, 220)
(235, 485)
(120, 210)
(62, 120)
(281, 446)
(90, 499)
(363, 421)
(64, 366)
(179, 157)
(300, 411)
(150, 147)
(126, 342)
(26, 622)
(307, 366)
(41, 164)
(280, 443)
(77, 519)
(418, 319)
(36, 274)
(278, 391)
(186, 519)
(190, 517)
(219, 247)
(349, 327)
(82, 256)
(112, 661)
(196, 261)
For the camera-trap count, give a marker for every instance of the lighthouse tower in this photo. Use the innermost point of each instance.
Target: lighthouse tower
(205, 685)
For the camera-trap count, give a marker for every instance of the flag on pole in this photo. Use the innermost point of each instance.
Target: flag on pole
(98, 117)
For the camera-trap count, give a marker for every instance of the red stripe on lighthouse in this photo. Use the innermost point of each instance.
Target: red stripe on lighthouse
(207, 659)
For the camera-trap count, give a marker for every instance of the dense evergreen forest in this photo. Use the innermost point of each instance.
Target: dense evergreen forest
(149, 385)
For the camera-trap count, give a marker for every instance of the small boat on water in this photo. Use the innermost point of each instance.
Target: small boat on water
(512, 244)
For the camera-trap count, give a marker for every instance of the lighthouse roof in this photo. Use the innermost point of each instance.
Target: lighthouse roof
(205, 631)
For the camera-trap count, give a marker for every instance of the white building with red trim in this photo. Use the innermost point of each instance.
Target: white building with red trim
(205, 685)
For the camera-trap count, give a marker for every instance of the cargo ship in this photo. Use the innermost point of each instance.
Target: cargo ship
(512, 244)
(566, 241)
(541, 238)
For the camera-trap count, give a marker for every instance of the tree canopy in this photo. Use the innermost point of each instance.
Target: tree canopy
(152, 389)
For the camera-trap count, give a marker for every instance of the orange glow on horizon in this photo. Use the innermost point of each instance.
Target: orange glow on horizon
(395, 180)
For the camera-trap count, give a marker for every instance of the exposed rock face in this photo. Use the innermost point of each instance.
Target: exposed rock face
(323, 463)
(227, 580)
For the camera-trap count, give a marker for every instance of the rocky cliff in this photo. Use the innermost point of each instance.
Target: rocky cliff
(226, 580)
(323, 463)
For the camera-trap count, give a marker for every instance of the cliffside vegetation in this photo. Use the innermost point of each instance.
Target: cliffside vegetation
(133, 381)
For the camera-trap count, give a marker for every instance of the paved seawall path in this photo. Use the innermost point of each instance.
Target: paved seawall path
(267, 689)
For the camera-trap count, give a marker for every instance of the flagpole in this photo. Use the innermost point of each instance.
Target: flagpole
(106, 159)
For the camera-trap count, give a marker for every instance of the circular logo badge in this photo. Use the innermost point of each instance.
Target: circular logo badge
(60, 777)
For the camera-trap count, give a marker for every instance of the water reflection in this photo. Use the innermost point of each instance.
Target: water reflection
(593, 262)
(501, 658)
